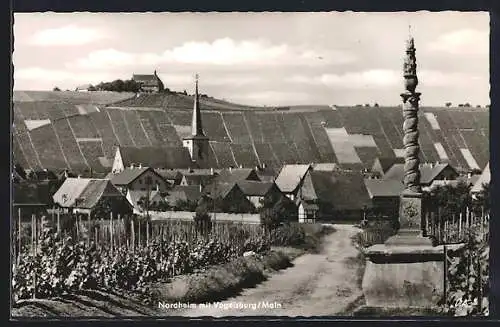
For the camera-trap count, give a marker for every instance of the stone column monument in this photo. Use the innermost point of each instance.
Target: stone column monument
(407, 271)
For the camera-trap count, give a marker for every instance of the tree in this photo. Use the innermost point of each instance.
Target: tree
(56, 89)
(376, 105)
(448, 104)
(273, 215)
(467, 104)
(450, 199)
(202, 220)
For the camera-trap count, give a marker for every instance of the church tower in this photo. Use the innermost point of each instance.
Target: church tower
(197, 142)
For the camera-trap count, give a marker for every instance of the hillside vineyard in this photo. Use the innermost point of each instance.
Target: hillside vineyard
(79, 131)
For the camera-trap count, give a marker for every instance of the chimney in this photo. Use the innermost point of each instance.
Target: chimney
(201, 188)
(241, 166)
(132, 166)
(140, 165)
(79, 176)
(212, 171)
(157, 187)
(230, 169)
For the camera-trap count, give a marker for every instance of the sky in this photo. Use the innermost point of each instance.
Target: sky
(332, 58)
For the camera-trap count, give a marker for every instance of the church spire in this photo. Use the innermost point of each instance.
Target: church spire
(197, 129)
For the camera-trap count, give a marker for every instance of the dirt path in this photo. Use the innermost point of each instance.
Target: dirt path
(317, 284)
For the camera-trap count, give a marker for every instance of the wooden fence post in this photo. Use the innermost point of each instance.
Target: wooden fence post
(33, 239)
(133, 234)
(19, 234)
(111, 230)
(139, 232)
(147, 233)
(89, 229)
(58, 220)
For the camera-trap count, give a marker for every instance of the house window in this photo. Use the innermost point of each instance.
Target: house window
(140, 181)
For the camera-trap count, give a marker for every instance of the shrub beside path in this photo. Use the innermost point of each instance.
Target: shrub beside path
(318, 284)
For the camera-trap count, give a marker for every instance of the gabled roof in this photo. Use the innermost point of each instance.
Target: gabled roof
(235, 175)
(290, 176)
(169, 174)
(383, 187)
(156, 157)
(199, 179)
(484, 178)
(128, 175)
(87, 191)
(386, 162)
(184, 193)
(136, 195)
(428, 172)
(221, 190)
(341, 189)
(255, 188)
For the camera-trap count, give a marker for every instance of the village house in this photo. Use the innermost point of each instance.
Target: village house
(199, 177)
(332, 196)
(91, 196)
(382, 164)
(258, 192)
(385, 195)
(429, 172)
(265, 173)
(137, 198)
(29, 199)
(228, 197)
(484, 179)
(173, 177)
(235, 175)
(139, 179)
(149, 83)
(186, 195)
(151, 156)
(290, 179)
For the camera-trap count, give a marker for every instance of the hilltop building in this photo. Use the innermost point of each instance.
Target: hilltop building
(197, 142)
(149, 83)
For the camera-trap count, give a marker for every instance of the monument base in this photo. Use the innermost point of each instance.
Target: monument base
(404, 276)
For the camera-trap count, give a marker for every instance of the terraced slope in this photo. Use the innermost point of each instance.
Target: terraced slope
(82, 135)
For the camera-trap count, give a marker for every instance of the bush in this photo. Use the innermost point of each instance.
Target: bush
(273, 215)
(202, 220)
(468, 277)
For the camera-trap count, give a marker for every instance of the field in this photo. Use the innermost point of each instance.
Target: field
(286, 136)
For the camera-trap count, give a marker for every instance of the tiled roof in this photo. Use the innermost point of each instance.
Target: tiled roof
(156, 157)
(86, 190)
(128, 175)
(221, 190)
(484, 178)
(255, 188)
(428, 172)
(290, 177)
(342, 190)
(199, 179)
(136, 195)
(384, 187)
(386, 163)
(235, 175)
(184, 193)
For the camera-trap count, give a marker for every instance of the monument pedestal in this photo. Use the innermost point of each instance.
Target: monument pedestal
(407, 271)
